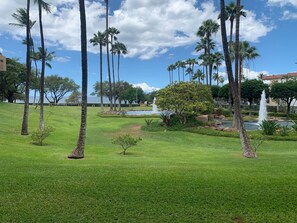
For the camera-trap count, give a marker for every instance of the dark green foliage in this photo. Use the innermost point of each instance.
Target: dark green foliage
(224, 92)
(125, 141)
(40, 135)
(185, 98)
(268, 127)
(215, 91)
(148, 122)
(166, 118)
(284, 130)
(56, 87)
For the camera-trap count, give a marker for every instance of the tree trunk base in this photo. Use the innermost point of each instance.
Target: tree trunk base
(75, 155)
(24, 133)
(250, 154)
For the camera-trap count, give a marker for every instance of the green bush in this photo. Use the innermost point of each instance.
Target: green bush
(284, 130)
(148, 122)
(125, 141)
(40, 135)
(268, 127)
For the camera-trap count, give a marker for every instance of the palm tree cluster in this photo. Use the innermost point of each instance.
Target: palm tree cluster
(209, 61)
(22, 17)
(108, 38)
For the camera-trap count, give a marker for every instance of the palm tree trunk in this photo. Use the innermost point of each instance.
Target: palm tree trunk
(107, 54)
(101, 79)
(119, 82)
(41, 116)
(78, 152)
(113, 76)
(24, 130)
(247, 149)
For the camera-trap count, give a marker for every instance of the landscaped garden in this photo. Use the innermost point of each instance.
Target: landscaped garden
(169, 176)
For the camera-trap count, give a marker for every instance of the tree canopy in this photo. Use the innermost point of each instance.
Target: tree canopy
(184, 98)
(56, 87)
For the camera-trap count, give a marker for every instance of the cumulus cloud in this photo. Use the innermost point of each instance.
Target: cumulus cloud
(145, 87)
(149, 28)
(283, 2)
(250, 74)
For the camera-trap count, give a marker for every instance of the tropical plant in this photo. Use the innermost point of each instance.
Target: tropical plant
(119, 49)
(99, 38)
(78, 152)
(208, 28)
(107, 50)
(46, 6)
(39, 135)
(22, 16)
(246, 146)
(268, 127)
(218, 58)
(126, 141)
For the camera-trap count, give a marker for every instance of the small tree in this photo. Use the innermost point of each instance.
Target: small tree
(126, 141)
(252, 90)
(286, 91)
(185, 97)
(74, 98)
(56, 87)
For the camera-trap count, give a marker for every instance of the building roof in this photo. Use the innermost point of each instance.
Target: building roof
(279, 76)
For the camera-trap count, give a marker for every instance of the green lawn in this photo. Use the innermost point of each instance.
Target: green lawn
(168, 177)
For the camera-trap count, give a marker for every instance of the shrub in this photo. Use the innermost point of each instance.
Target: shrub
(284, 130)
(166, 118)
(40, 135)
(148, 122)
(125, 141)
(268, 127)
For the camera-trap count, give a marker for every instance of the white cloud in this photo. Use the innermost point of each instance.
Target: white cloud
(62, 59)
(283, 2)
(1, 50)
(149, 28)
(287, 15)
(250, 74)
(145, 87)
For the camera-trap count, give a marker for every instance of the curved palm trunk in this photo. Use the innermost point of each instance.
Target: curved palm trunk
(101, 80)
(107, 54)
(41, 116)
(78, 152)
(24, 130)
(247, 149)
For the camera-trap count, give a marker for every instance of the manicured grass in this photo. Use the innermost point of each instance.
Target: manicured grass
(168, 177)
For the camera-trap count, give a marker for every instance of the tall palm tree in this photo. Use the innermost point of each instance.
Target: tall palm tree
(206, 30)
(183, 66)
(191, 62)
(119, 49)
(46, 6)
(107, 53)
(178, 66)
(169, 73)
(199, 75)
(22, 16)
(78, 152)
(100, 39)
(112, 33)
(247, 149)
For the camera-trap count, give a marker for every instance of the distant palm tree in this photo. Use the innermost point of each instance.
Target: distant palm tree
(42, 5)
(78, 152)
(190, 72)
(183, 66)
(119, 49)
(178, 65)
(199, 75)
(107, 53)
(191, 63)
(100, 39)
(218, 59)
(112, 33)
(208, 28)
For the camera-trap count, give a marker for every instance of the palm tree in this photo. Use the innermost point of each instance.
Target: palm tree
(218, 59)
(191, 63)
(112, 33)
(183, 66)
(42, 5)
(199, 75)
(119, 49)
(22, 16)
(178, 65)
(169, 73)
(247, 149)
(100, 39)
(208, 28)
(107, 54)
(78, 152)
(190, 72)
(37, 56)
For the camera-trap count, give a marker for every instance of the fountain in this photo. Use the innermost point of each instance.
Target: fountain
(263, 109)
(155, 108)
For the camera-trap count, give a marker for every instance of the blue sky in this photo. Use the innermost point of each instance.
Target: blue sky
(150, 30)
